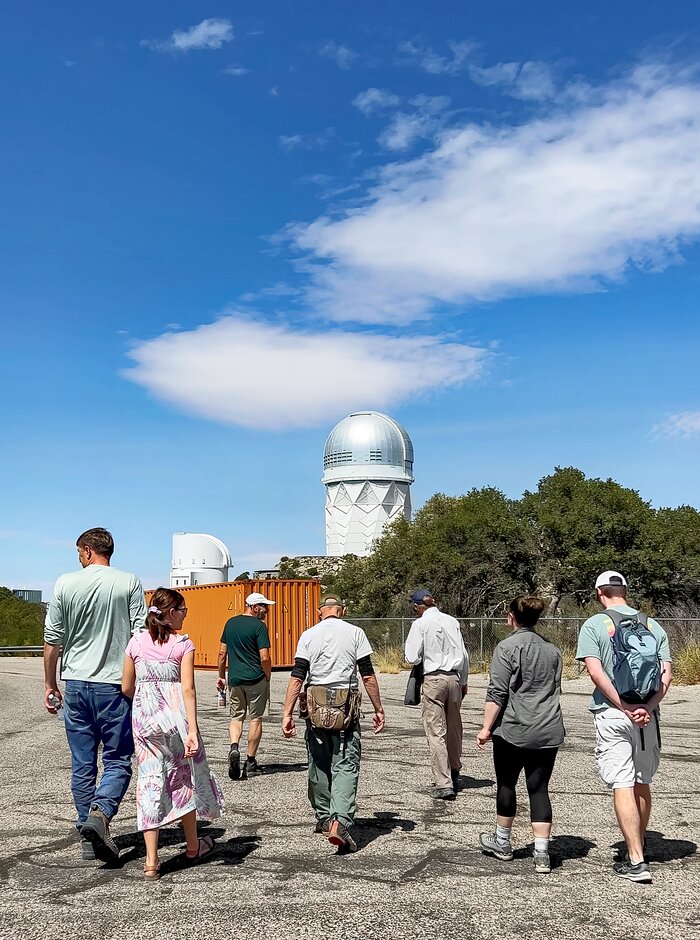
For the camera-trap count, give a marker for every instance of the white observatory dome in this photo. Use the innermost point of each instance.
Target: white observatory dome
(367, 472)
(370, 440)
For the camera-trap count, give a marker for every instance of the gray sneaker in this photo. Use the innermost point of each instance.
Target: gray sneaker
(87, 850)
(95, 829)
(442, 793)
(490, 844)
(543, 865)
(639, 872)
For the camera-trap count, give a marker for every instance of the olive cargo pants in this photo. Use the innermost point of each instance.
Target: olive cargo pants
(334, 772)
(442, 720)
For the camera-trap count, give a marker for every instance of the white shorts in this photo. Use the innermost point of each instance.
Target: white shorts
(622, 760)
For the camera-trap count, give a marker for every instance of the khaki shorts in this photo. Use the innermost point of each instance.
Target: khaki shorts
(249, 699)
(622, 761)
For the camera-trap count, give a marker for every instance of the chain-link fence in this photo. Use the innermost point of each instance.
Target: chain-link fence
(481, 634)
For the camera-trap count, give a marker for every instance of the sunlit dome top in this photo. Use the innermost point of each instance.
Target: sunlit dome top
(368, 437)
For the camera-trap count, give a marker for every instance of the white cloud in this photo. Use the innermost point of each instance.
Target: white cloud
(415, 53)
(530, 81)
(373, 100)
(289, 141)
(307, 141)
(341, 55)
(209, 34)
(236, 70)
(683, 424)
(610, 180)
(424, 122)
(244, 372)
(404, 130)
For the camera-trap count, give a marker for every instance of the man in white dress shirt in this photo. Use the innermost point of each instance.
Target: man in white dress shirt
(435, 640)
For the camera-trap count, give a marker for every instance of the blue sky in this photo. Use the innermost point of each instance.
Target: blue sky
(228, 225)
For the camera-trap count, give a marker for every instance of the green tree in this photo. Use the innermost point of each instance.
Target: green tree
(580, 527)
(21, 623)
(669, 557)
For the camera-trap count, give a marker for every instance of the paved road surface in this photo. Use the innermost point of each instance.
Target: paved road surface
(418, 874)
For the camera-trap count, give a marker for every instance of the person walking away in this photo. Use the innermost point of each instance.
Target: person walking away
(628, 658)
(174, 781)
(89, 622)
(435, 640)
(245, 642)
(329, 655)
(522, 716)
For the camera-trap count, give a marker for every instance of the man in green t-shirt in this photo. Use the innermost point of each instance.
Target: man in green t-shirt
(628, 737)
(245, 642)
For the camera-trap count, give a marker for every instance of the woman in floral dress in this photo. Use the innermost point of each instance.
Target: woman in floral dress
(174, 780)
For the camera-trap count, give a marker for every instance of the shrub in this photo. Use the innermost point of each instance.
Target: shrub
(686, 665)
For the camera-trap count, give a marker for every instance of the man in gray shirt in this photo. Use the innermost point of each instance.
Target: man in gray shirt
(89, 622)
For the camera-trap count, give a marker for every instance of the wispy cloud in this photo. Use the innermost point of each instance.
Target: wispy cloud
(341, 55)
(425, 120)
(530, 81)
(209, 34)
(610, 180)
(307, 141)
(310, 377)
(454, 61)
(373, 100)
(683, 424)
(236, 70)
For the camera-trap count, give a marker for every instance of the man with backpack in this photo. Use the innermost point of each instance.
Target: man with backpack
(328, 657)
(628, 658)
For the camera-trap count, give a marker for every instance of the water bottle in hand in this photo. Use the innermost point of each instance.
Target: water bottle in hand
(57, 703)
(221, 697)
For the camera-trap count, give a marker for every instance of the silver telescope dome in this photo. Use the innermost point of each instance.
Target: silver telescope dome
(368, 437)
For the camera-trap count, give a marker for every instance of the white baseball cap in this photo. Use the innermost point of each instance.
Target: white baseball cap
(256, 598)
(610, 579)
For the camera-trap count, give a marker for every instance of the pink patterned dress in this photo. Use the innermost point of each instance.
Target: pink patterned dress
(169, 784)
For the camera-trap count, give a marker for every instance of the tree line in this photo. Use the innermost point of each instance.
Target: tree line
(477, 551)
(21, 623)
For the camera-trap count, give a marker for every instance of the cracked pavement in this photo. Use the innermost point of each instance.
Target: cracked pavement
(418, 871)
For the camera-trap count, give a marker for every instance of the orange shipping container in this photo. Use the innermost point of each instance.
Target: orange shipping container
(209, 606)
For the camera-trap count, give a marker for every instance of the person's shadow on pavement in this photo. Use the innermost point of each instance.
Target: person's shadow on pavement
(561, 849)
(660, 849)
(368, 829)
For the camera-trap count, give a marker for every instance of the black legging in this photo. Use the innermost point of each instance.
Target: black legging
(508, 761)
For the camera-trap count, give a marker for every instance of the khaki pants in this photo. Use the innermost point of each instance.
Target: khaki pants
(442, 720)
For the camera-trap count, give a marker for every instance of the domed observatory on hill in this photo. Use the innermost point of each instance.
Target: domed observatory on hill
(367, 472)
(198, 559)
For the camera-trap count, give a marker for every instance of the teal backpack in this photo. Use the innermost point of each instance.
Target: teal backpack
(636, 661)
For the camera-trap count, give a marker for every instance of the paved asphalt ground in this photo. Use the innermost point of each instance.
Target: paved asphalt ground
(418, 872)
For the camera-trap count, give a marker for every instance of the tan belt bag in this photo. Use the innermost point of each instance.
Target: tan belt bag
(332, 709)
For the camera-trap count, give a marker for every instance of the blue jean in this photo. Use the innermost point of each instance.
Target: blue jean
(97, 713)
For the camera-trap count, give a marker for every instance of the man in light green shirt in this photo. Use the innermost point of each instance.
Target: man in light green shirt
(89, 622)
(628, 736)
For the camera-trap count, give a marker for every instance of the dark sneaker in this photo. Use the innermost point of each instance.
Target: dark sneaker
(455, 780)
(234, 764)
(252, 768)
(490, 844)
(95, 829)
(88, 851)
(543, 865)
(322, 826)
(639, 872)
(338, 834)
(442, 793)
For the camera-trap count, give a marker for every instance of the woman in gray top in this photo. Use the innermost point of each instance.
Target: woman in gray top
(522, 716)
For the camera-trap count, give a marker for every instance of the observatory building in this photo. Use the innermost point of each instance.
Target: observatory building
(198, 559)
(367, 472)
